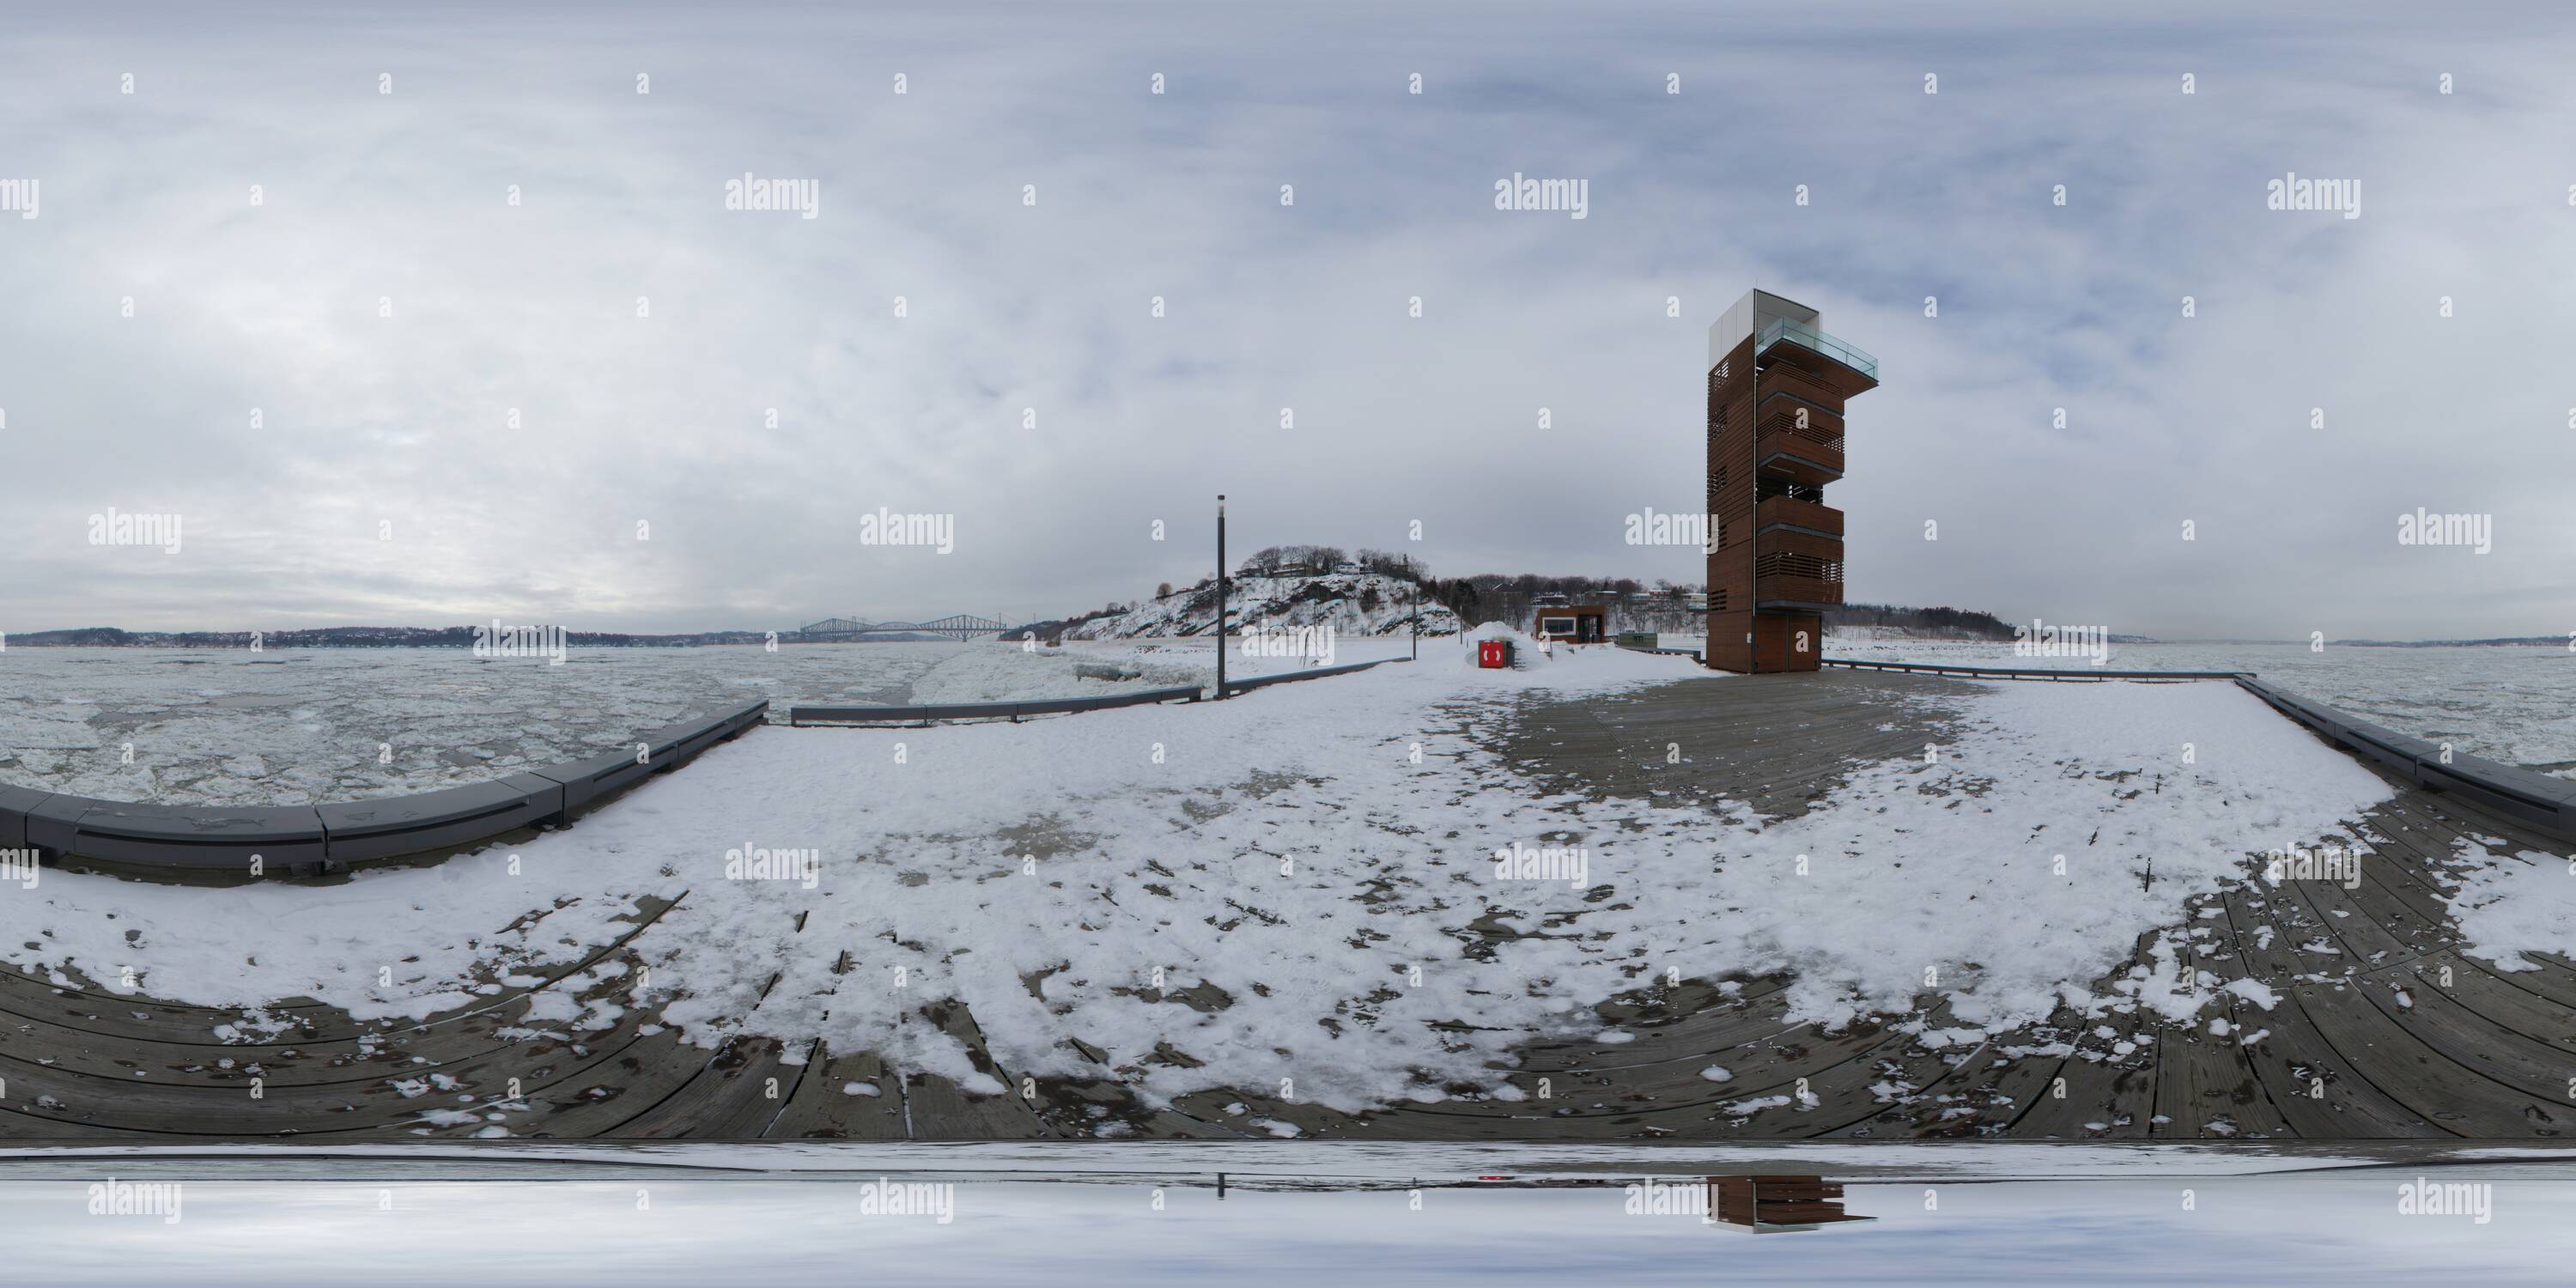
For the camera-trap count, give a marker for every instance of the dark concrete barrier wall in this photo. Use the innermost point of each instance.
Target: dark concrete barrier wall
(984, 710)
(2032, 672)
(2544, 803)
(284, 839)
(15, 803)
(308, 840)
(382, 829)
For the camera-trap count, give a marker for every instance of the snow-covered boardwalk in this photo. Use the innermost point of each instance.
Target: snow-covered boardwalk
(1834, 904)
(2342, 1002)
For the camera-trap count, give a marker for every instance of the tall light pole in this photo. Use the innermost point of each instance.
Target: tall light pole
(1220, 596)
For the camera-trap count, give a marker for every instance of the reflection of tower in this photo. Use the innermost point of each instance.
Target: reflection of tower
(1776, 388)
(1776, 1204)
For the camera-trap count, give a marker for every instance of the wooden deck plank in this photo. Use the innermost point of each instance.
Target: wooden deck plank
(736, 1096)
(823, 1108)
(2104, 1099)
(2315, 1090)
(2423, 1079)
(943, 1110)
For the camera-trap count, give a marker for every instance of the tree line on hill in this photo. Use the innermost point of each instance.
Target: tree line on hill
(1957, 623)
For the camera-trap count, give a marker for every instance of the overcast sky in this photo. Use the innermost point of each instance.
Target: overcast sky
(370, 202)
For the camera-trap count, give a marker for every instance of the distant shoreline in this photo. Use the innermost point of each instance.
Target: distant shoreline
(742, 639)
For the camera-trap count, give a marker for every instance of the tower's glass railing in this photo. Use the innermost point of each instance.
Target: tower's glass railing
(1799, 333)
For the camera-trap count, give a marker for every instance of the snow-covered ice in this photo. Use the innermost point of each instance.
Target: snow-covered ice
(294, 727)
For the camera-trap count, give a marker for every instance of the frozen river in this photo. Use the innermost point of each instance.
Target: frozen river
(291, 727)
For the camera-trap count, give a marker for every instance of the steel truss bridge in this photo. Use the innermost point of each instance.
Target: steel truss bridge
(961, 626)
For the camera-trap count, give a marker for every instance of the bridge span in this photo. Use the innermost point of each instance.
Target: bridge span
(959, 626)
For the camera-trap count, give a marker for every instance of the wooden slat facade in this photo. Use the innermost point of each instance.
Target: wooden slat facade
(1775, 439)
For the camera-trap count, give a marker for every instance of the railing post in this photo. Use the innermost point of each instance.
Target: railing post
(1221, 592)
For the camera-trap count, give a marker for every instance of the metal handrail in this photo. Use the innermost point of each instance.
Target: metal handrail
(1316, 673)
(798, 717)
(2030, 673)
(1018, 710)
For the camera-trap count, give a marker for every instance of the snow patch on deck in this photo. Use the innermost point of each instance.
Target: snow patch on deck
(2509, 904)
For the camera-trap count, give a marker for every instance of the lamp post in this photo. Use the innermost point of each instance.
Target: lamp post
(1220, 596)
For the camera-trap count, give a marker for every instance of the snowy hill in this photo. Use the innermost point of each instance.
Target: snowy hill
(1351, 603)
